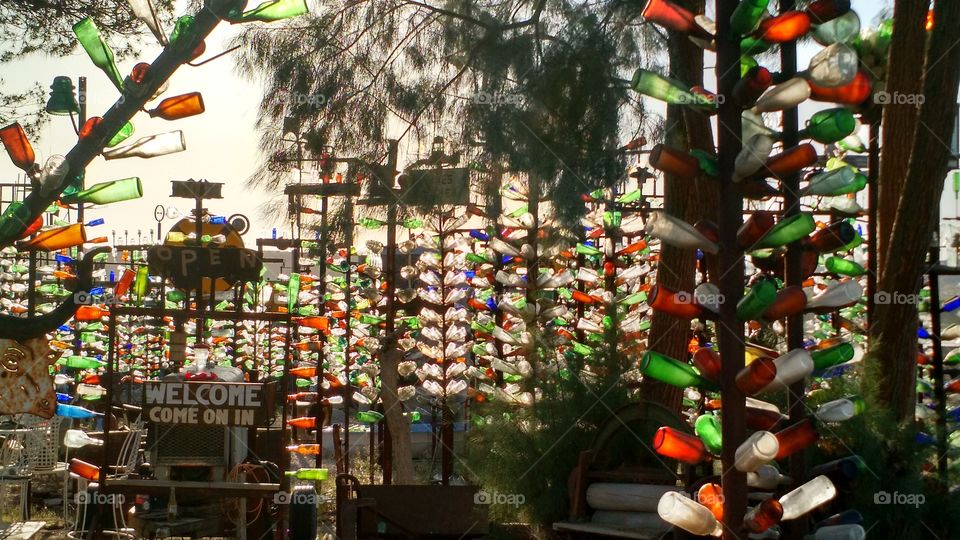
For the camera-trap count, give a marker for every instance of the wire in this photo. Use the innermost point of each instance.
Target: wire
(231, 506)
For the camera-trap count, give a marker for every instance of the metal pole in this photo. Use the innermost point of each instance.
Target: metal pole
(390, 274)
(873, 174)
(938, 389)
(731, 272)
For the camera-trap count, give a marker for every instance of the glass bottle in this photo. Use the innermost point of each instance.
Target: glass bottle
(840, 410)
(100, 53)
(824, 11)
(789, 301)
(753, 155)
(756, 375)
(753, 229)
(57, 238)
(75, 412)
(670, 371)
(75, 438)
(177, 107)
(151, 146)
(787, 26)
(707, 427)
(788, 162)
(793, 366)
(763, 516)
(841, 294)
(840, 181)
(759, 449)
(844, 267)
(680, 446)
(833, 237)
(787, 231)
(677, 304)
(107, 192)
(707, 361)
(272, 10)
(654, 85)
(674, 162)
(676, 232)
(807, 497)
(710, 495)
(796, 437)
(84, 470)
(143, 10)
(854, 93)
(18, 147)
(760, 296)
(840, 532)
(747, 16)
(688, 515)
(833, 66)
(305, 449)
(308, 474)
(749, 89)
(785, 95)
(831, 356)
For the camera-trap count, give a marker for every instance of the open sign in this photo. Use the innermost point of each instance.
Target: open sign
(187, 266)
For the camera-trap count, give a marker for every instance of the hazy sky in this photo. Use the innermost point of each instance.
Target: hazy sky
(221, 143)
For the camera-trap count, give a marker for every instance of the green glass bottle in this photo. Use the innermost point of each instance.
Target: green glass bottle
(274, 10)
(107, 192)
(612, 219)
(100, 53)
(308, 474)
(832, 356)
(707, 427)
(183, 31)
(369, 417)
(477, 258)
(141, 284)
(123, 134)
(830, 125)
(634, 298)
(589, 251)
(844, 267)
(654, 85)
(176, 295)
(583, 349)
(673, 372)
(752, 46)
(413, 223)
(630, 197)
(747, 15)
(757, 300)
(787, 231)
(371, 224)
(293, 291)
(80, 362)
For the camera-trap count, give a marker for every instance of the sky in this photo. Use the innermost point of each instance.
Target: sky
(222, 144)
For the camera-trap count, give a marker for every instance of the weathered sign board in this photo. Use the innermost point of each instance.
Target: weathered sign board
(187, 266)
(209, 403)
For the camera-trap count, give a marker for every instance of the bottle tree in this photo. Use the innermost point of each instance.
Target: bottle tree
(778, 243)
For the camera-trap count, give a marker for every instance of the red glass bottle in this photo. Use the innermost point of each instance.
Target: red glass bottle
(711, 496)
(821, 11)
(303, 422)
(833, 237)
(752, 86)
(756, 375)
(669, 15)
(707, 361)
(854, 93)
(784, 27)
(755, 227)
(84, 470)
(680, 446)
(763, 516)
(674, 162)
(790, 301)
(796, 437)
(18, 147)
(759, 419)
(677, 304)
(789, 162)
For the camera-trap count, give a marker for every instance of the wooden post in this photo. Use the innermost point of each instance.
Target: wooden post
(730, 258)
(390, 275)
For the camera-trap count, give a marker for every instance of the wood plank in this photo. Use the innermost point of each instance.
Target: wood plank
(602, 530)
(160, 487)
(23, 530)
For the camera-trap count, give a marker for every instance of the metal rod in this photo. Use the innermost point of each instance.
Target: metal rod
(731, 271)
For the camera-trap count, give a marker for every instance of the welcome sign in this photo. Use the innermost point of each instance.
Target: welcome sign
(208, 403)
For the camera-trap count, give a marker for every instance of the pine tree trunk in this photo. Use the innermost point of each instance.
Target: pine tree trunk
(893, 341)
(904, 75)
(687, 200)
(393, 411)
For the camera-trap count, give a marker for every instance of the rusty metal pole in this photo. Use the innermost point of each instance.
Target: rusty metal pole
(793, 272)
(731, 271)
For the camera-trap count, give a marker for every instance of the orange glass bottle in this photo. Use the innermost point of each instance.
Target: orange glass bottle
(680, 446)
(84, 470)
(90, 313)
(756, 375)
(759, 419)
(303, 422)
(833, 237)
(176, 107)
(305, 449)
(711, 496)
(796, 437)
(306, 372)
(679, 305)
(789, 301)
(784, 27)
(670, 161)
(126, 279)
(707, 361)
(18, 147)
(853, 93)
(755, 227)
(788, 162)
(318, 323)
(765, 515)
(58, 238)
